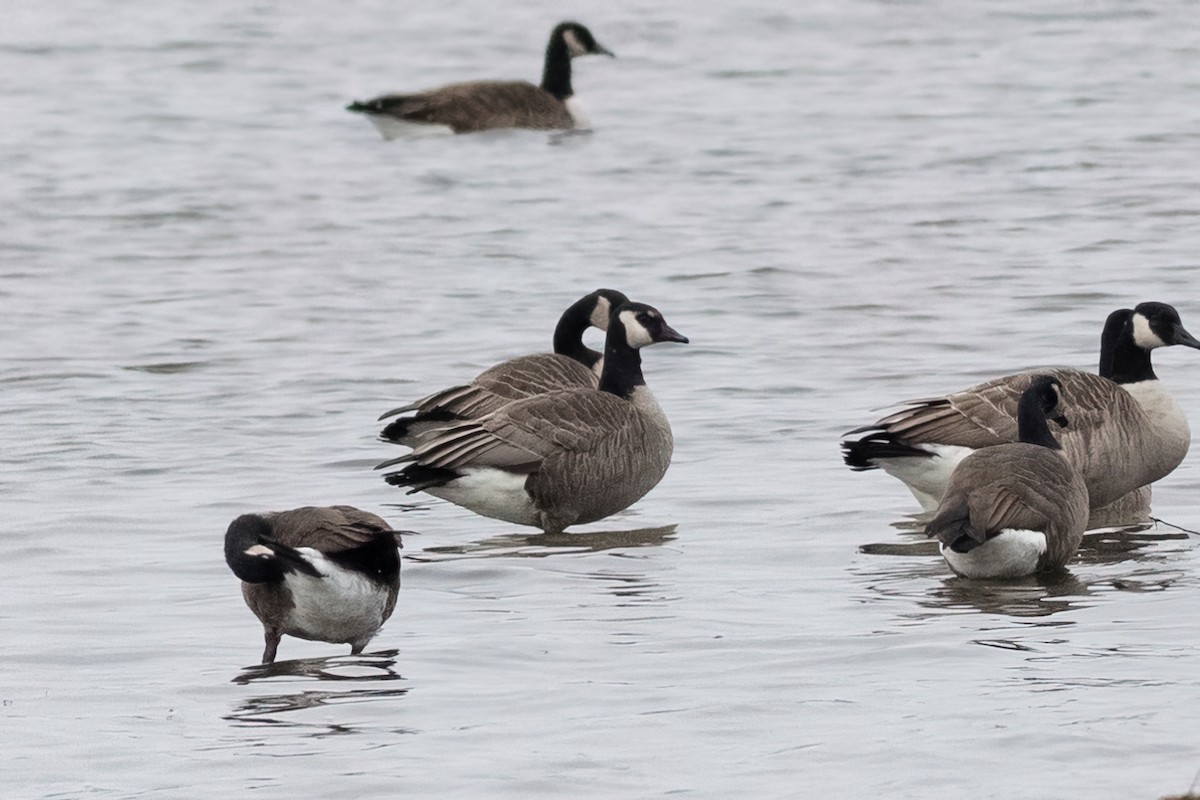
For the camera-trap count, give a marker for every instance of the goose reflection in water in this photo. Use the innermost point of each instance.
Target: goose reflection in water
(376, 666)
(270, 710)
(540, 545)
(1035, 596)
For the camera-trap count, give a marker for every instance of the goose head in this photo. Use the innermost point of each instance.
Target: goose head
(1039, 404)
(642, 325)
(603, 302)
(1158, 325)
(579, 40)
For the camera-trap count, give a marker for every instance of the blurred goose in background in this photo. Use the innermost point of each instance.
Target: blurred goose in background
(571, 364)
(326, 574)
(484, 105)
(1015, 509)
(562, 458)
(1126, 431)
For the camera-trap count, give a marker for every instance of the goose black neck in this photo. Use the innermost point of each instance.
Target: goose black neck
(1121, 359)
(556, 75)
(622, 364)
(1032, 427)
(245, 532)
(568, 334)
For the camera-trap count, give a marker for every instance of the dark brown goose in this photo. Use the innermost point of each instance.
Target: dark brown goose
(571, 364)
(484, 105)
(1126, 431)
(1015, 509)
(326, 574)
(562, 458)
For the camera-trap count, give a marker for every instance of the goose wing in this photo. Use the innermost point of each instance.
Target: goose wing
(329, 529)
(494, 388)
(986, 415)
(523, 434)
(477, 105)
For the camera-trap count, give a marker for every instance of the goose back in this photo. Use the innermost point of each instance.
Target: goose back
(1015, 487)
(1112, 440)
(474, 106)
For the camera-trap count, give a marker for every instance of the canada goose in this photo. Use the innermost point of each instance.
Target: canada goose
(561, 458)
(1014, 509)
(1126, 431)
(325, 574)
(483, 105)
(571, 364)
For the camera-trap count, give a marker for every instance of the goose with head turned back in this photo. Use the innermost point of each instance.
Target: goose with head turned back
(1126, 431)
(328, 574)
(561, 458)
(484, 105)
(571, 364)
(1014, 509)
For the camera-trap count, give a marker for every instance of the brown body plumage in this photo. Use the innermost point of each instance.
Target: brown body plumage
(321, 573)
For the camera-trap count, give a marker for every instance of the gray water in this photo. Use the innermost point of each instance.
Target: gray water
(213, 279)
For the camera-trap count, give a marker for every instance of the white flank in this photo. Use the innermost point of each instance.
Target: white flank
(1143, 336)
(582, 122)
(490, 492)
(341, 606)
(1009, 554)
(926, 477)
(392, 128)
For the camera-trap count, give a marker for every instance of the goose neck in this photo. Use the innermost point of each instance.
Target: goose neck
(556, 75)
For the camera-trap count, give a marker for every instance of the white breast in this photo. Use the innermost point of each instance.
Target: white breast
(1161, 407)
(1009, 554)
(578, 115)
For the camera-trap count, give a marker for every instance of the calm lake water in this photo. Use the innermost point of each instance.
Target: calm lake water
(213, 279)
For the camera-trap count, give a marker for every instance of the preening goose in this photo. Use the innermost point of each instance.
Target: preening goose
(561, 458)
(571, 364)
(1014, 509)
(326, 574)
(483, 105)
(1126, 431)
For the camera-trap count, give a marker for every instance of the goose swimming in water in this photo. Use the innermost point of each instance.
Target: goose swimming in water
(571, 364)
(1126, 431)
(561, 458)
(327, 574)
(484, 105)
(1015, 509)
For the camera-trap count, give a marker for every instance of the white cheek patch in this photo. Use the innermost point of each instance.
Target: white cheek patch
(1143, 336)
(601, 314)
(636, 334)
(260, 550)
(574, 46)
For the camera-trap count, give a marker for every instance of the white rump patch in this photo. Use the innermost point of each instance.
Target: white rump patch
(1143, 336)
(390, 127)
(579, 116)
(1011, 553)
(926, 478)
(341, 606)
(490, 492)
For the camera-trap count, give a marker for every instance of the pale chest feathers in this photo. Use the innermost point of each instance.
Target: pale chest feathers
(1165, 414)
